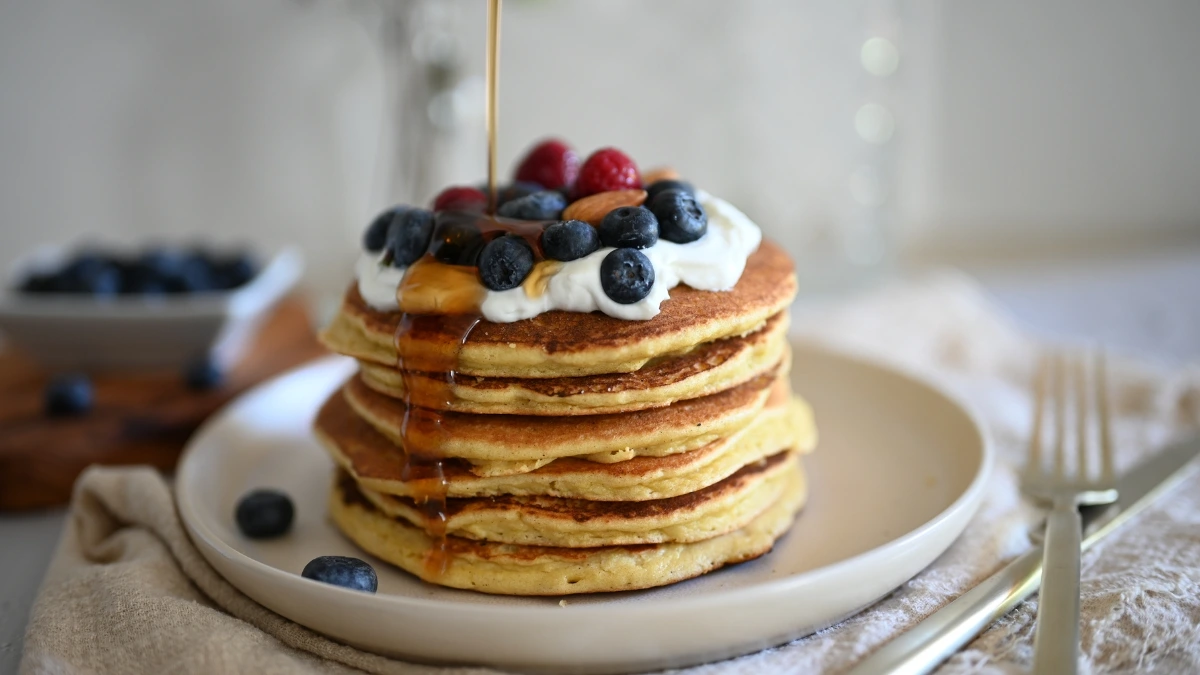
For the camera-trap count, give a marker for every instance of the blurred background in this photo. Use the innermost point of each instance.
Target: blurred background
(868, 136)
(1050, 149)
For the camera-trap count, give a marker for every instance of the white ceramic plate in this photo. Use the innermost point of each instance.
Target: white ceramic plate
(899, 471)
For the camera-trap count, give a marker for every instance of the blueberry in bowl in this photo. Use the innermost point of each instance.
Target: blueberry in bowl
(140, 306)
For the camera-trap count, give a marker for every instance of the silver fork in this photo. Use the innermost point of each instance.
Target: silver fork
(1056, 641)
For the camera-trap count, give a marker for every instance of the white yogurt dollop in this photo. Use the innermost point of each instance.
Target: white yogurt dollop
(712, 263)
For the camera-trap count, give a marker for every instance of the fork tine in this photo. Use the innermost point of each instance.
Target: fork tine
(1060, 413)
(1081, 417)
(1108, 475)
(1040, 374)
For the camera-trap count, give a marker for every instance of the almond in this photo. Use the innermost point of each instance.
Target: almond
(660, 173)
(593, 209)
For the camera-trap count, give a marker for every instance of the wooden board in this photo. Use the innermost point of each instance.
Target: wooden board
(138, 418)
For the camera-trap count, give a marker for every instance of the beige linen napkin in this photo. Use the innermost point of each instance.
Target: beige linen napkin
(127, 592)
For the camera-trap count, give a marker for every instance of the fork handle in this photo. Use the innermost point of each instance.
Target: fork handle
(1056, 642)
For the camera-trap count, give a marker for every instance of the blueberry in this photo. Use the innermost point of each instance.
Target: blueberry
(545, 205)
(456, 241)
(162, 262)
(344, 571)
(569, 240)
(68, 395)
(658, 186)
(408, 236)
(626, 275)
(680, 217)
(505, 262)
(375, 237)
(86, 264)
(105, 282)
(514, 190)
(234, 270)
(202, 374)
(137, 279)
(194, 275)
(40, 282)
(92, 273)
(263, 514)
(629, 227)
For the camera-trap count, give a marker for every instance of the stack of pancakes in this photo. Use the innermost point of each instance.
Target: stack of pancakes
(577, 453)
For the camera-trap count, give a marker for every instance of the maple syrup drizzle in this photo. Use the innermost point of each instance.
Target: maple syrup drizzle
(440, 298)
(493, 85)
(421, 432)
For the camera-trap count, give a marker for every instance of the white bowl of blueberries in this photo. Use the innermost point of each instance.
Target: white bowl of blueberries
(154, 307)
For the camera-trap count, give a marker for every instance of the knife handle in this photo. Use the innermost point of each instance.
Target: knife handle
(923, 647)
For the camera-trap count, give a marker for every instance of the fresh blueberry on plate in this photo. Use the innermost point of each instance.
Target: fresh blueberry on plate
(505, 262)
(408, 236)
(264, 514)
(68, 395)
(626, 275)
(343, 571)
(629, 227)
(569, 240)
(545, 205)
(681, 219)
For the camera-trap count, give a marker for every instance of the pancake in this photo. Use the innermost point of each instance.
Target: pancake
(569, 344)
(543, 570)
(576, 523)
(709, 368)
(378, 464)
(498, 445)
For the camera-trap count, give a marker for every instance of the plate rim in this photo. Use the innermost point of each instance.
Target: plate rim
(970, 497)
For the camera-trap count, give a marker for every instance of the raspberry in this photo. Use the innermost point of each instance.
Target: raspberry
(551, 163)
(460, 198)
(607, 169)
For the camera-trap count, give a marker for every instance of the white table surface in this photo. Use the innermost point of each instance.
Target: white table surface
(1146, 305)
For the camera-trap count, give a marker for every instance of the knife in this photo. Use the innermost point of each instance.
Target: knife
(944, 632)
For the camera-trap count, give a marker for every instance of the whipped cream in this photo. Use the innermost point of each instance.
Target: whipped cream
(714, 262)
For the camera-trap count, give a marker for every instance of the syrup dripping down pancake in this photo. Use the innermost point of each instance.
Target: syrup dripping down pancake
(572, 344)
(708, 369)
(497, 445)
(378, 464)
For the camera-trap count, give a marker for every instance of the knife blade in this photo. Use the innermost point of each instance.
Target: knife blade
(936, 638)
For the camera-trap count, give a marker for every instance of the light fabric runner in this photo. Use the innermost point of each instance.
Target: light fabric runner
(127, 593)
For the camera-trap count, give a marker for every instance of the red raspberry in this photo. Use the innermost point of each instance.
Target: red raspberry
(551, 164)
(607, 169)
(460, 198)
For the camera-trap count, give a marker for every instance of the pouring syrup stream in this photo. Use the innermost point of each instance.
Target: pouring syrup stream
(492, 105)
(421, 432)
